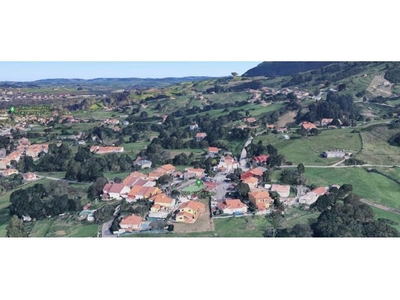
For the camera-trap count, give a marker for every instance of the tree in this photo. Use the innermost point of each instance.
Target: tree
(16, 228)
(243, 189)
(300, 169)
(302, 230)
(314, 131)
(96, 188)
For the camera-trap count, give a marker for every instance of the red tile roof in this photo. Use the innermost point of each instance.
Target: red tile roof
(131, 220)
(213, 149)
(308, 125)
(201, 135)
(116, 188)
(319, 191)
(232, 204)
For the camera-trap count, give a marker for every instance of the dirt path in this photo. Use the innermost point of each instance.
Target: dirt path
(380, 206)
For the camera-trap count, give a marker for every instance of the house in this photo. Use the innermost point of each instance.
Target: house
(142, 192)
(271, 126)
(167, 169)
(115, 191)
(132, 178)
(105, 150)
(164, 117)
(261, 159)
(193, 172)
(24, 142)
(313, 195)
(334, 154)
(143, 163)
(212, 151)
(131, 223)
(194, 127)
(281, 130)
(190, 211)
(9, 172)
(15, 155)
(252, 182)
(256, 172)
(227, 164)
(4, 163)
(326, 121)
(29, 176)
(308, 126)
(200, 136)
(260, 198)
(163, 201)
(249, 120)
(282, 190)
(232, 207)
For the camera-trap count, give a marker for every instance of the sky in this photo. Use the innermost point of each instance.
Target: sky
(30, 71)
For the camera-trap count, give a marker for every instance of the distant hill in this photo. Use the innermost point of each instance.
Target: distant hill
(115, 83)
(272, 69)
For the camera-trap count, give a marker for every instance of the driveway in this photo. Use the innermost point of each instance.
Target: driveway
(105, 231)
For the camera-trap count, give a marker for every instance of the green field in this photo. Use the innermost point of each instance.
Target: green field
(59, 227)
(393, 172)
(379, 213)
(371, 186)
(376, 149)
(135, 147)
(308, 150)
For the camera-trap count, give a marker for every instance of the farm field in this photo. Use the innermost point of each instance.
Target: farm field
(65, 226)
(376, 149)
(393, 172)
(371, 186)
(308, 150)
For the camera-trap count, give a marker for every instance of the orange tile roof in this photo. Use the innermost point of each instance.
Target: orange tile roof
(131, 220)
(134, 191)
(256, 172)
(161, 198)
(319, 191)
(260, 194)
(234, 203)
(308, 125)
(201, 135)
(250, 180)
(168, 167)
(213, 149)
(194, 205)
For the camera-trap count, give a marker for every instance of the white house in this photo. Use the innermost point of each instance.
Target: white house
(334, 154)
(312, 196)
(282, 190)
(115, 191)
(143, 163)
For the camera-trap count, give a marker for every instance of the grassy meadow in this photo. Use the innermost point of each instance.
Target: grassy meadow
(308, 150)
(371, 186)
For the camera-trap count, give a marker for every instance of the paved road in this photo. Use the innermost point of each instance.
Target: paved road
(243, 155)
(105, 231)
